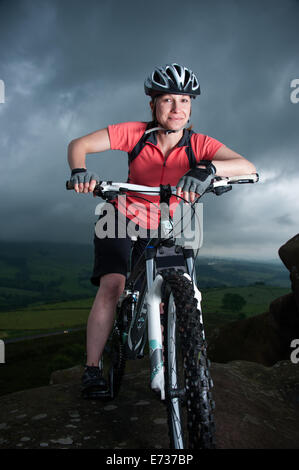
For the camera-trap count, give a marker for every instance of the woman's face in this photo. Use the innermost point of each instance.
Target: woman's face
(172, 111)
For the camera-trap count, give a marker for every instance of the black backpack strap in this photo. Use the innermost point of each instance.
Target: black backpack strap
(140, 144)
(189, 150)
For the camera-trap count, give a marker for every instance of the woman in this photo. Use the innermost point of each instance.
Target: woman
(160, 152)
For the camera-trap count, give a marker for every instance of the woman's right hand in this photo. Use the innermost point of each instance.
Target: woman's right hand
(84, 181)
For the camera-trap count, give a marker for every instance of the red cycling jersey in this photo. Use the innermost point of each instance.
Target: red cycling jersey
(151, 168)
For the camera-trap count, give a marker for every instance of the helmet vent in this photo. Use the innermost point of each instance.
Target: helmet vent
(187, 77)
(178, 68)
(159, 79)
(171, 75)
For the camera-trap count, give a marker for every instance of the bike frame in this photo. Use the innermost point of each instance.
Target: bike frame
(153, 294)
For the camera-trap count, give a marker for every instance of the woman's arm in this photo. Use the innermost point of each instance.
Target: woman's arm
(227, 163)
(97, 141)
(230, 163)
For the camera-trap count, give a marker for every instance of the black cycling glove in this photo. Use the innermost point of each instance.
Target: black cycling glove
(81, 175)
(197, 180)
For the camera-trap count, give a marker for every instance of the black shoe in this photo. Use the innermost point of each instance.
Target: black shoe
(93, 383)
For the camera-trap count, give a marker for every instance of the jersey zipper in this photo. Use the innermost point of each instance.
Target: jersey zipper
(164, 160)
(163, 170)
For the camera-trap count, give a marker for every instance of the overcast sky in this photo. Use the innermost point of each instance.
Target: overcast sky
(71, 67)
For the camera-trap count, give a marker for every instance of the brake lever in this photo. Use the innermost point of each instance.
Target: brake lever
(108, 195)
(222, 189)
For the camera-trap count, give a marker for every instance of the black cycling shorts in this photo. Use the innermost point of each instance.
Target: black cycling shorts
(112, 255)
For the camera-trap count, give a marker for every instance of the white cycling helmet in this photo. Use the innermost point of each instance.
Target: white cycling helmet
(173, 79)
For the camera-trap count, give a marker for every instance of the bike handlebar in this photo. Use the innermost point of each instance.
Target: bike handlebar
(219, 185)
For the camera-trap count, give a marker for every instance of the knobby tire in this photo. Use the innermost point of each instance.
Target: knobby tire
(187, 378)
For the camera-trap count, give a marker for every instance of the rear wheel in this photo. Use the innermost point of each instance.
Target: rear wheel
(113, 360)
(187, 377)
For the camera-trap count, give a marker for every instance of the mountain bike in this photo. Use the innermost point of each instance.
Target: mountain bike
(165, 311)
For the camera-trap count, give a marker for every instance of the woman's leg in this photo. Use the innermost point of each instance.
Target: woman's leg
(102, 314)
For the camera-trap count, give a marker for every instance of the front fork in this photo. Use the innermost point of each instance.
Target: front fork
(154, 285)
(154, 296)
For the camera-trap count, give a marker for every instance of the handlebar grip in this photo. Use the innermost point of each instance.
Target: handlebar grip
(253, 178)
(97, 190)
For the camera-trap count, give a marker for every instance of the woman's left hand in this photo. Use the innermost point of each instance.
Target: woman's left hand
(194, 183)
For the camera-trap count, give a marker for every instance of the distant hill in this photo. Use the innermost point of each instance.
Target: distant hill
(43, 272)
(40, 272)
(220, 272)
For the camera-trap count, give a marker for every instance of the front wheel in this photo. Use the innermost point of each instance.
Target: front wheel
(187, 377)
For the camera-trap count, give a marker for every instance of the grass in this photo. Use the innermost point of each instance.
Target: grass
(74, 313)
(44, 318)
(258, 298)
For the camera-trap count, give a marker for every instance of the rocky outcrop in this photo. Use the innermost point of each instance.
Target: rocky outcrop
(264, 338)
(289, 255)
(257, 407)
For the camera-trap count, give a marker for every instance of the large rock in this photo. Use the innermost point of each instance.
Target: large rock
(285, 317)
(289, 255)
(256, 408)
(252, 339)
(264, 338)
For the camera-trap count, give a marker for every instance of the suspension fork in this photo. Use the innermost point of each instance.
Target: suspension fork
(154, 285)
(150, 254)
(189, 261)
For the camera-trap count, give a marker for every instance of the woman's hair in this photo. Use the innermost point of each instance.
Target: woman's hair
(154, 118)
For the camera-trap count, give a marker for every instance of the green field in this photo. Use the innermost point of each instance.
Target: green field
(44, 318)
(42, 273)
(258, 299)
(73, 314)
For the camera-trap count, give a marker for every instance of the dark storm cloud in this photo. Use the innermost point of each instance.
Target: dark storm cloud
(71, 67)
